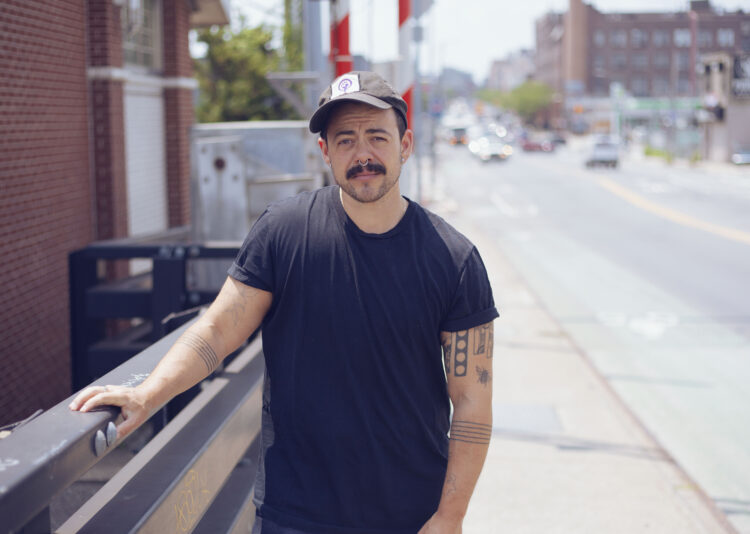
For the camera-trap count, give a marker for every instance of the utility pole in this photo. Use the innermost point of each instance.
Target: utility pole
(417, 100)
(340, 54)
(315, 61)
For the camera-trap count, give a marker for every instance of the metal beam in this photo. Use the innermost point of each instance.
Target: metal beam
(174, 479)
(278, 81)
(49, 453)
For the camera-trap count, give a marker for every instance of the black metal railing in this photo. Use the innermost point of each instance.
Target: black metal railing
(96, 295)
(195, 475)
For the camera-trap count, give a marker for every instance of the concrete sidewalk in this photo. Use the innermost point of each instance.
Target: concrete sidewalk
(566, 455)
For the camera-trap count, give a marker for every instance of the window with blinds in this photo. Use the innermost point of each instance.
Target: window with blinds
(142, 34)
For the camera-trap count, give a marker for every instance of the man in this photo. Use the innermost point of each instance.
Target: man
(374, 312)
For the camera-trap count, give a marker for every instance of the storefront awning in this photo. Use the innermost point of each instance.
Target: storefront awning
(208, 13)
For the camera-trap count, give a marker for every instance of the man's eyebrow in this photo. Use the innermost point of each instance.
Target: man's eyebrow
(343, 132)
(378, 130)
(368, 131)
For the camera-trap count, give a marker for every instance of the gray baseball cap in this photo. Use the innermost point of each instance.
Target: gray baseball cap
(357, 86)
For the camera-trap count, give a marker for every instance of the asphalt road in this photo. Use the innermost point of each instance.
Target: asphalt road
(647, 267)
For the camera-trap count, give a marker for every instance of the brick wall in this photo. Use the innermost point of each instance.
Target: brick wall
(108, 149)
(62, 172)
(45, 195)
(178, 109)
(108, 158)
(177, 60)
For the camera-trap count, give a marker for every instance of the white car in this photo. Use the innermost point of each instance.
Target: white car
(604, 153)
(491, 147)
(741, 156)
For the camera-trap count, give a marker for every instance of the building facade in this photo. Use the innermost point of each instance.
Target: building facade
(548, 57)
(656, 54)
(94, 144)
(642, 67)
(648, 54)
(454, 83)
(507, 74)
(724, 82)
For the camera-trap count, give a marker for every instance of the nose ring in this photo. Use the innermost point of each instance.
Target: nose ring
(362, 164)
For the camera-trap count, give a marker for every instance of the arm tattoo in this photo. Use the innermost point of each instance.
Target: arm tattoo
(447, 347)
(470, 432)
(450, 484)
(483, 376)
(237, 309)
(202, 348)
(483, 340)
(460, 364)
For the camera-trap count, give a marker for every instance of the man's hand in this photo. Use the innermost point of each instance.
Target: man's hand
(441, 525)
(133, 405)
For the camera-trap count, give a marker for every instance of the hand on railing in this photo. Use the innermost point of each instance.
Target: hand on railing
(133, 410)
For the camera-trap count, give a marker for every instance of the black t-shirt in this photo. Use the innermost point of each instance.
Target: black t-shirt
(356, 410)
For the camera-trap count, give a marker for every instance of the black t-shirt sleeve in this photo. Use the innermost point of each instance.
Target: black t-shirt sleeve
(253, 265)
(472, 303)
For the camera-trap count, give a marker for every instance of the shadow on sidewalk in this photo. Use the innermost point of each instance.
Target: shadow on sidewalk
(572, 444)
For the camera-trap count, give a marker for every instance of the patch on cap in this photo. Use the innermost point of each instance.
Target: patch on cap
(344, 84)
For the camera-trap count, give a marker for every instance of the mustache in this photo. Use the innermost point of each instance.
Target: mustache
(370, 167)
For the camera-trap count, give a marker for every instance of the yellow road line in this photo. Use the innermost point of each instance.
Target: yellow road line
(672, 215)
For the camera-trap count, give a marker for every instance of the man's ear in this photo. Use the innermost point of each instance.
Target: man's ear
(324, 150)
(407, 145)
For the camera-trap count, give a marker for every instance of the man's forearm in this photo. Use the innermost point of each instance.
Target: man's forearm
(235, 313)
(194, 356)
(471, 430)
(233, 316)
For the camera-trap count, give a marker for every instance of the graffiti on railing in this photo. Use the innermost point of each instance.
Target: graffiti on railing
(135, 379)
(194, 498)
(5, 463)
(50, 453)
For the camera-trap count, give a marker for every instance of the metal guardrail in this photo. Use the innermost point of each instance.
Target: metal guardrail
(171, 485)
(150, 296)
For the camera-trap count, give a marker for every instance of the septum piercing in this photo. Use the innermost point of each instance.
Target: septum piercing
(365, 163)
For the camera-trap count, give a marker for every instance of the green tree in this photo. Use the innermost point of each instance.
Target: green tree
(526, 100)
(232, 76)
(294, 58)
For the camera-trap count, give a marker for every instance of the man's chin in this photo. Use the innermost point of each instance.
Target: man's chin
(365, 193)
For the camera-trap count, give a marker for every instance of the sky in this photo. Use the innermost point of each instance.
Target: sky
(464, 34)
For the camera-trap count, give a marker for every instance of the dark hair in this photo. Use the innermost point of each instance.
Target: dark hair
(400, 124)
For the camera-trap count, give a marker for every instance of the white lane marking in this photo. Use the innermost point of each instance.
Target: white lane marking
(651, 325)
(511, 211)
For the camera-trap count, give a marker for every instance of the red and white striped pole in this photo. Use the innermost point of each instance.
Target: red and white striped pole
(405, 82)
(340, 54)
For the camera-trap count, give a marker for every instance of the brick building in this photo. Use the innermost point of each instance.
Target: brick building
(548, 57)
(548, 64)
(508, 73)
(96, 102)
(649, 55)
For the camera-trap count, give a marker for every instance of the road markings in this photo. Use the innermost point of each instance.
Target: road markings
(513, 212)
(652, 325)
(673, 215)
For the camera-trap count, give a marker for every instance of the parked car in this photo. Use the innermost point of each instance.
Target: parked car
(605, 153)
(491, 147)
(558, 139)
(537, 145)
(458, 136)
(741, 156)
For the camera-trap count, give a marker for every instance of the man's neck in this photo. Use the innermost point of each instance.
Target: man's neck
(376, 217)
